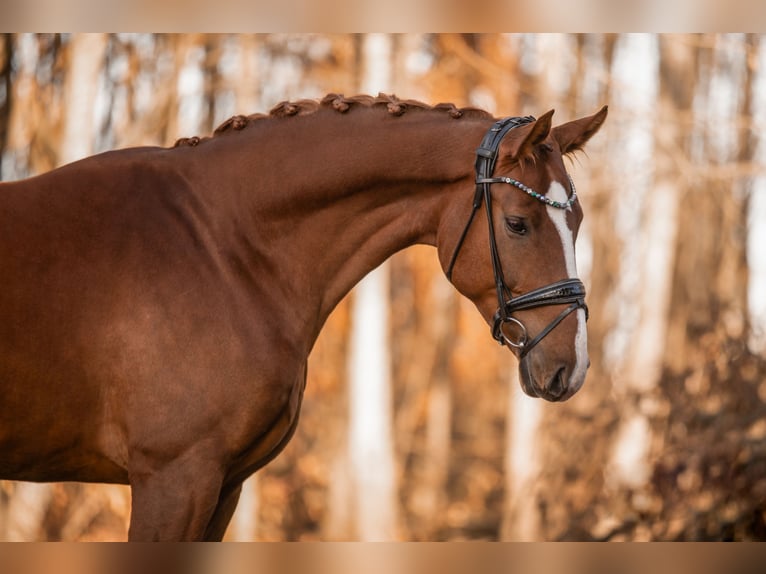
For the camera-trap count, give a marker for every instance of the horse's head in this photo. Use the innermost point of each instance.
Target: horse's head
(514, 256)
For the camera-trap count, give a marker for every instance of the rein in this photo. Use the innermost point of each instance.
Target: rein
(567, 291)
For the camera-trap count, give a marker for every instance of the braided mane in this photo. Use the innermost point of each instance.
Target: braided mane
(339, 103)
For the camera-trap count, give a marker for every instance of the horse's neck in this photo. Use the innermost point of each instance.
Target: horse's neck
(332, 197)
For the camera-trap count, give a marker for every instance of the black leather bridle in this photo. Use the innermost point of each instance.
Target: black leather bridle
(565, 292)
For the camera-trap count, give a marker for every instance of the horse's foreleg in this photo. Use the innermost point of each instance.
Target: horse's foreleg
(227, 504)
(174, 501)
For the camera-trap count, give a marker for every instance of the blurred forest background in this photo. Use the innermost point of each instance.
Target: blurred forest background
(667, 439)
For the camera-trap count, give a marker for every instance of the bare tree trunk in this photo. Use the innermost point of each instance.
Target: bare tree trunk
(6, 57)
(733, 273)
(439, 318)
(371, 450)
(756, 201)
(709, 297)
(86, 61)
(26, 512)
(599, 229)
(647, 208)
(33, 132)
(190, 115)
(370, 434)
(520, 520)
(244, 523)
(679, 61)
(245, 83)
(424, 316)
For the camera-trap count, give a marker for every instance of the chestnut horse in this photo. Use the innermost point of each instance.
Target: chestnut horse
(158, 305)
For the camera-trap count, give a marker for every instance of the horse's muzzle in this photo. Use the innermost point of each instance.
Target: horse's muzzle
(555, 389)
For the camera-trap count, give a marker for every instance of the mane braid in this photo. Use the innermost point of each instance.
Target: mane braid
(339, 103)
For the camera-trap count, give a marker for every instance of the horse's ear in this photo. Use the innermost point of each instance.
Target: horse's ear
(572, 136)
(532, 135)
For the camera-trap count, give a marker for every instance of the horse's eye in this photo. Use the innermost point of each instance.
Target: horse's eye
(516, 225)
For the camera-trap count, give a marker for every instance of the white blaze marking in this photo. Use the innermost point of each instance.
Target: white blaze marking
(559, 218)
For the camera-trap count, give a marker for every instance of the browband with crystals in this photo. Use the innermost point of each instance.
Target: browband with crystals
(531, 192)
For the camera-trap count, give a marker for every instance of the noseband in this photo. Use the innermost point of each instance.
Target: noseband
(567, 291)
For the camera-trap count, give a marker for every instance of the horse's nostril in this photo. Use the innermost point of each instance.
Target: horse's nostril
(557, 385)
